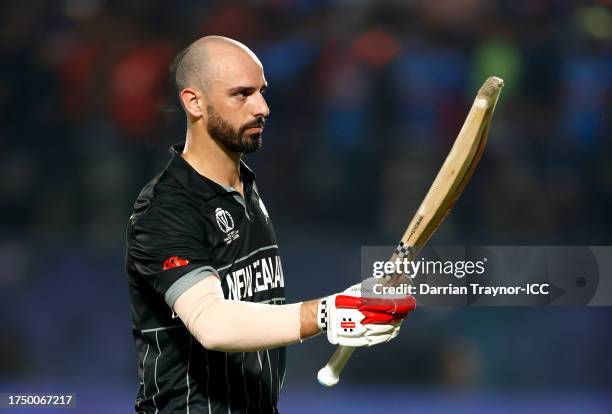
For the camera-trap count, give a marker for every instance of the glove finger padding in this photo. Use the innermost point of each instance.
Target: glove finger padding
(376, 329)
(395, 332)
(378, 310)
(379, 339)
(357, 321)
(364, 341)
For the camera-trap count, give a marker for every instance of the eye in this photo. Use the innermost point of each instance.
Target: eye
(262, 90)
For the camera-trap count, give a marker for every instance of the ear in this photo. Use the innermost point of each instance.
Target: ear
(193, 101)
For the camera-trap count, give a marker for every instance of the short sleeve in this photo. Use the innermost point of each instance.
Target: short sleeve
(168, 248)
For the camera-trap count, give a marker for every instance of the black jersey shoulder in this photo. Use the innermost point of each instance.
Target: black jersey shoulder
(180, 190)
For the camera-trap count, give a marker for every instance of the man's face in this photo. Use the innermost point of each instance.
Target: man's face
(236, 108)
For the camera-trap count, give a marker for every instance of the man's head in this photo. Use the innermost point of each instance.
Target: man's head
(220, 82)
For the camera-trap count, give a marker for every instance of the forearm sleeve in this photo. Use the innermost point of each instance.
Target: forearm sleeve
(233, 326)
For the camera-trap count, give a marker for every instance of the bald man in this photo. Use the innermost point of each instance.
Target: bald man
(210, 323)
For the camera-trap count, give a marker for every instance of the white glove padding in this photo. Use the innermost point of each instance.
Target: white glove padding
(352, 320)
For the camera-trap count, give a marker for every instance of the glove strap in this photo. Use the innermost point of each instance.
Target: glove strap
(322, 315)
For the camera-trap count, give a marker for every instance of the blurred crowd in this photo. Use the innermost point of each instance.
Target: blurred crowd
(366, 97)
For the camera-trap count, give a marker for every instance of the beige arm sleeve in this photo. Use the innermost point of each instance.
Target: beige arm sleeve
(233, 326)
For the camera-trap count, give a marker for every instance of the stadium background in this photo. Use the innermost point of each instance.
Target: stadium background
(366, 97)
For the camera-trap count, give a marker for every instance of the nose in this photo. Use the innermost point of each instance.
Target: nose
(260, 107)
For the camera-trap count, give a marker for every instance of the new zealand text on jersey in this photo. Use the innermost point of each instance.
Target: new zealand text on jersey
(262, 274)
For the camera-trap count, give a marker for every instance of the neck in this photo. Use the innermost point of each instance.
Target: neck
(211, 159)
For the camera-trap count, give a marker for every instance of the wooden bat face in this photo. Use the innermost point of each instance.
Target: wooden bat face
(454, 173)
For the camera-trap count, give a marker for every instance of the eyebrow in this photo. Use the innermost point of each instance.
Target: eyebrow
(246, 88)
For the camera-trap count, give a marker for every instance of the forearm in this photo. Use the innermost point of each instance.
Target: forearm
(234, 326)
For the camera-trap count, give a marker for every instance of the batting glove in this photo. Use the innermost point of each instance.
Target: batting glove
(353, 320)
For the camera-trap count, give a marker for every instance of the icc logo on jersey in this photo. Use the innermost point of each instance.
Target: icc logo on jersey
(224, 220)
(226, 224)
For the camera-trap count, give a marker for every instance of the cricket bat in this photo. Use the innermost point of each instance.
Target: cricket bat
(442, 195)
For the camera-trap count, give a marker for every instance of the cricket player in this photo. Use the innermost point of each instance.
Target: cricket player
(210, 323)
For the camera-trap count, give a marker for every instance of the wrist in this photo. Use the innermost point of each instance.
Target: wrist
(308, 319)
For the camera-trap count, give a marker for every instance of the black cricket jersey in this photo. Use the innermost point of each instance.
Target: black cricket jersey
(184, 228)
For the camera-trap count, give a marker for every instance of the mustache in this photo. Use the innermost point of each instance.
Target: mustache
(257, 123)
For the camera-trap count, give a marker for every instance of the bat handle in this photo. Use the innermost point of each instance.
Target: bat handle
(329, 375)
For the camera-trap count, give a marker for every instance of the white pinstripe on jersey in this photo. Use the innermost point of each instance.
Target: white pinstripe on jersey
(155, 371)
(246, 391)
(187, 376)
(229, 410)
(271, 378)
(207, 382)
(260, 384)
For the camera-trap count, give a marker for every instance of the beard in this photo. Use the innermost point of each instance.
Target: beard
(235, 140)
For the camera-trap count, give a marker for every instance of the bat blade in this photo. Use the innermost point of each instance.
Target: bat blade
(446, 188)
(456, 170)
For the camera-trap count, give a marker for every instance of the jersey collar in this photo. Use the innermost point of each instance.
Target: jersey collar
(192, 180)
